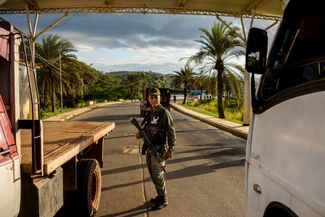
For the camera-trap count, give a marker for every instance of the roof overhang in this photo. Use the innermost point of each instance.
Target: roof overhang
(262, 9)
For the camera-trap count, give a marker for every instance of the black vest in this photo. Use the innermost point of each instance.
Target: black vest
(155, 128)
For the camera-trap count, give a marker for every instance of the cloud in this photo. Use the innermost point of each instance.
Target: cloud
(161, 68)
(83, 47)
(153, 56)
(129, 41)
(133, 31)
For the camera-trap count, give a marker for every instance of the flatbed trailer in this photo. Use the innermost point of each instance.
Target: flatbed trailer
(67, 148)
(65, 140)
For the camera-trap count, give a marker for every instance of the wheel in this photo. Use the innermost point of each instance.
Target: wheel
(276, 209)
(89, 185)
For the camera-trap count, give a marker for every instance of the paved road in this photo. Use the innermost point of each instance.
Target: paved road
(205, 178)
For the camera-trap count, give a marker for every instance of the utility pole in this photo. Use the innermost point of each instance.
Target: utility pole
(61, 83)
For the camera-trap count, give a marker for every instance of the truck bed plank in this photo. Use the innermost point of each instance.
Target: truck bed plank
(63, 141)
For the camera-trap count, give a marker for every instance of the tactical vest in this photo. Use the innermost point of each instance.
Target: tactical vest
(155, 128)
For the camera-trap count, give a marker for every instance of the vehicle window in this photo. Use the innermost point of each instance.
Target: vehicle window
(299, 58)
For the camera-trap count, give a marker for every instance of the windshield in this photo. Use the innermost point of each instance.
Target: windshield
(298, 56)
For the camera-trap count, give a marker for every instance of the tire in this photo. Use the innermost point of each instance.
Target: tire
(276, 209)
(89, 186)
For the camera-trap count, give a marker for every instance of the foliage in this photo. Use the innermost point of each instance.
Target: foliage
(233, 110)
(47, 114)
(49, 55)
(81, 82)
(200, 82)
(104, 88)
(122, 85)
(184, 77)
(218, 47)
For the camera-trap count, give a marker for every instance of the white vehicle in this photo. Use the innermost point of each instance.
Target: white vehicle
(286, 144)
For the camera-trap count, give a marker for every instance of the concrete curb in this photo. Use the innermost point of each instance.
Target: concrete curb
(68, 115)
(231, 127)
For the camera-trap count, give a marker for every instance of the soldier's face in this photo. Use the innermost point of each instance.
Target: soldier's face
(154, 100)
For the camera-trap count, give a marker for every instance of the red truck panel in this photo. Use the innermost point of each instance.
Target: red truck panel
(6, 138)
(4, 44)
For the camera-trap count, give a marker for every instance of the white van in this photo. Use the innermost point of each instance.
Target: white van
(285, 159)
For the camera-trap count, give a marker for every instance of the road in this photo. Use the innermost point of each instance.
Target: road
(205, 177)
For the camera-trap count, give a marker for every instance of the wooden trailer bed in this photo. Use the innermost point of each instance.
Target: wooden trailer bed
(63, 141)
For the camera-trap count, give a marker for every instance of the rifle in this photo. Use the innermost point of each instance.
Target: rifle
(147, 140)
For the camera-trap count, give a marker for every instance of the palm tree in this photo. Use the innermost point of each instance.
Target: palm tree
(234, 85)
(145, 82)
(48, 55)
(184, 77)
(85, 73)
(219, 46)
(201, 81)
(133, 81)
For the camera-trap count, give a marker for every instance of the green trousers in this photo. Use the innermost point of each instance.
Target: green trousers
(157, 175)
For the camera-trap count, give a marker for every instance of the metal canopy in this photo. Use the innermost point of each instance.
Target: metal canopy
(263, 9)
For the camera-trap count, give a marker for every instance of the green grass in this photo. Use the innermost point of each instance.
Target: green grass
(201, 110)
(209, 107)
(48, 114)
(234, 116)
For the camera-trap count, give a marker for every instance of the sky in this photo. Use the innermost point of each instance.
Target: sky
(131, 42)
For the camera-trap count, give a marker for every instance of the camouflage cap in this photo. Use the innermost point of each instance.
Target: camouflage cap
(154, 91)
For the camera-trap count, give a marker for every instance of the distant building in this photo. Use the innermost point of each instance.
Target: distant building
(197, 92)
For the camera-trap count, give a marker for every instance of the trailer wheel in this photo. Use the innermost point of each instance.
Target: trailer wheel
(89, 186)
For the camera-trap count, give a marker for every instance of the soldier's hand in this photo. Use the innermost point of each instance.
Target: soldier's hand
(169, 154)
(138, 135)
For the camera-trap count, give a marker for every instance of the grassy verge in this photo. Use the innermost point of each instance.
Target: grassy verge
(47, 114)
(209, 107)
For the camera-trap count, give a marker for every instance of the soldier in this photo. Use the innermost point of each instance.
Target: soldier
(158, 125)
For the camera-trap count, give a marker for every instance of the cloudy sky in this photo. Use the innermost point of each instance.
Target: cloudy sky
(114, 42)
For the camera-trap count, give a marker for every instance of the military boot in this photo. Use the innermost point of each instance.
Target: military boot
(154, 200)
(160, 203)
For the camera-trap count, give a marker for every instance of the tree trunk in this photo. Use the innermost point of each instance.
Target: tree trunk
(185, 94)
(213, 85)
(220, 93)
(131, 90)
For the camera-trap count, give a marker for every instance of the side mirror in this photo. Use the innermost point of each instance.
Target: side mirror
(256, 50)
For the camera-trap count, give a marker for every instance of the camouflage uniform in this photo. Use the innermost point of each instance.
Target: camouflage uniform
(158, 125)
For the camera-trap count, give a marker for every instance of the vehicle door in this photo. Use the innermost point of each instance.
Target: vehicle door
(9, 167)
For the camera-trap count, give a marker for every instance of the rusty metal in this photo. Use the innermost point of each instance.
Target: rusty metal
(138, 10)
(7, 142)
(35, 124)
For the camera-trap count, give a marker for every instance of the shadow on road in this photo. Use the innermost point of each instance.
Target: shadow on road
(125, 185)
(235, 163)
(201, 169)
(121, 169)
(223, 158)
(137, 211)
